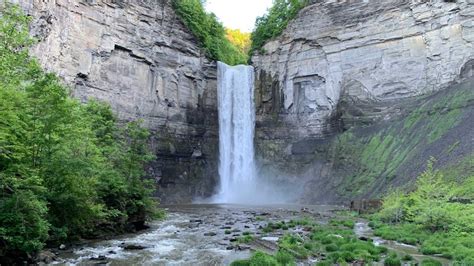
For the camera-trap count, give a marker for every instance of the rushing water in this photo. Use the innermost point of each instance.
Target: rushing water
(237, 172)
(191, 235)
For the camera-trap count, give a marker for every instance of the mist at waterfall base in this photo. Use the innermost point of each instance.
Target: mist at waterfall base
(241, 181)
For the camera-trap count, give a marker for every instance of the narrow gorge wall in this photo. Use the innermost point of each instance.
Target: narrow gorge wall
(342, 65)
(139, 57)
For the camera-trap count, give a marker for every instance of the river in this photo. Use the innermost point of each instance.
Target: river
(194, 235)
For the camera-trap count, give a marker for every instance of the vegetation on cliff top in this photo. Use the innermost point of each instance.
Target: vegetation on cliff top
(66, 169)
(209, 31)
(272, 24)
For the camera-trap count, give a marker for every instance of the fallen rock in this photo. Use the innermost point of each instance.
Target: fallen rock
(99, 258)
(243, 247)
(46, 257)
(132, 247)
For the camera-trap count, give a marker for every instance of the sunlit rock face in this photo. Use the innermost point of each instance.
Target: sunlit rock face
(358, 67)
(364, 51)
(139, 57)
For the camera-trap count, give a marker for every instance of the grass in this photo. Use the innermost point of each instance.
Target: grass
(334, 242)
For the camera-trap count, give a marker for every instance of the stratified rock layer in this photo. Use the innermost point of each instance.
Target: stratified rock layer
(362, 51)
(138, 56)
(360, 67)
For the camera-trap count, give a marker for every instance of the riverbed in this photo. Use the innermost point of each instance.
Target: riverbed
(195, 235)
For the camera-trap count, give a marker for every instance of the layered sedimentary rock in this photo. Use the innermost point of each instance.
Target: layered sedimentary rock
(139, 57)
(360, 67)
(365, 52)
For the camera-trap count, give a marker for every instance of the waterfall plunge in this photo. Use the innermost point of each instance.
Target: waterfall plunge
(238, 181)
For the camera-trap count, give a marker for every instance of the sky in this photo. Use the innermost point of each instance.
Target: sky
(238, 14)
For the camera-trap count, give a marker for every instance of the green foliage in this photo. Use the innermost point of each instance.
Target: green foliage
(335, 242)
(245, 239)
(274, 22)
(431, 217)
(380, 156)
(241, 40)
(258, 259)
(431, 262)
(65, 168)
(209, 31)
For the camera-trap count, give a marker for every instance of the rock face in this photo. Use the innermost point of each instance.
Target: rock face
(138, 56)
(365, 52)
(359, 67)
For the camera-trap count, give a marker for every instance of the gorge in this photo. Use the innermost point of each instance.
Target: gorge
(367, 104)
(353, 66)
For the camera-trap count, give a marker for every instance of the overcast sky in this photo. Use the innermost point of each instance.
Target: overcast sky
(238, 14)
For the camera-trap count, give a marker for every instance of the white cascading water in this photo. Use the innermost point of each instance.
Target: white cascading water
(236, 134)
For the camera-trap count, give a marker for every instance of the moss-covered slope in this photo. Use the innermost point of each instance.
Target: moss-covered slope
(370, 160)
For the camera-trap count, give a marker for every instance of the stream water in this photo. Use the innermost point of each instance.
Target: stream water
(194, 235)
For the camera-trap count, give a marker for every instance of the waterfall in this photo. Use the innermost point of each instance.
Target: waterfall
(236, 134)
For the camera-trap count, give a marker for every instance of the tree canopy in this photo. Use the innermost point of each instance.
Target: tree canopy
(66, 168)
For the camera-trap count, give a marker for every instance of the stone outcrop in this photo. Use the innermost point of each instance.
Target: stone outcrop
(139, 57)
(338, 93)
(365, 52)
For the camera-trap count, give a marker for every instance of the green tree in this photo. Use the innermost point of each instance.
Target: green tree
(272, 24)
(66, 169)
(209, 32)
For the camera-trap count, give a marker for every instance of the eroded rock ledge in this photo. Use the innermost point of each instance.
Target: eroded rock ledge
(338, 93)
(364, 52)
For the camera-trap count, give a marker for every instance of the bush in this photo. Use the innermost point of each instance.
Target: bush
(284, 258)
(274, 22)
(392, 261)
(209, 31)
(258, 259)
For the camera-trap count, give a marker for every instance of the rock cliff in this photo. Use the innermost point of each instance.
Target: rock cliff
(338, 91)
(365, 52)
(138, 56)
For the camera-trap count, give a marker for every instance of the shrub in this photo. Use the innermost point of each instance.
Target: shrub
(209, 31)
(274, 22)
(392, 261)
(258, 259)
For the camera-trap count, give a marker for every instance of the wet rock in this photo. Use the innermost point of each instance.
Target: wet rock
(236, 231)
(243, 247)
(101, 258)
(271, 238)
(223, 243)
(246, 226)
(233, 239)
(195, 221)
(133, 247)
(62, 247)
(210, 234)
(226, 227)
(229, 248)
(46, 257)
(363, 238)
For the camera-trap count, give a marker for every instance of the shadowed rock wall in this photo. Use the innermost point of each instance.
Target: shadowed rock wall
(138, 56)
